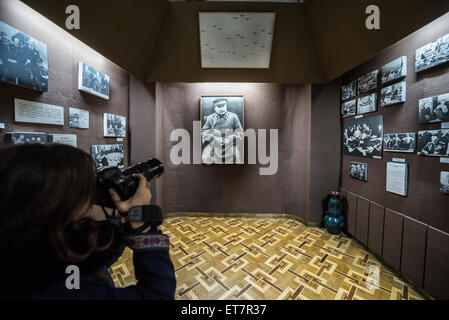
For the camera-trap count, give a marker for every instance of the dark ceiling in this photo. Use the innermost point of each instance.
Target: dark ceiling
(315, 42)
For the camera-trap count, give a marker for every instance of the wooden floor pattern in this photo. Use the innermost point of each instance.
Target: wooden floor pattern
(268, 259)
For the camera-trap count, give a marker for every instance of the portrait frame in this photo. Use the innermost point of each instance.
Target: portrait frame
(207, 109)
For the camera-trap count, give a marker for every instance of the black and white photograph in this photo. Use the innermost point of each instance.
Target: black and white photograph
(434, 109)
(394, 70)
(25, 137)
(114, 126)
(219, 115)
(433, 143)
(78, 118)
(444, 182)
(368, 82)
(359, 171)
(432, 54)
(348, 109)
(92, 81)
(367, 104)
(400, 142)
(364, 137)
(23, 59)
(394, 94)
(109, 155)
(349, 91)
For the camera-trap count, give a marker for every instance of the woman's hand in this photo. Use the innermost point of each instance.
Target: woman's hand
(142, 197)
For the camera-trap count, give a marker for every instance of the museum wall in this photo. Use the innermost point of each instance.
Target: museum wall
(410, 233)
(236, 188)
(325, 148)
(142, 126)
(64, 54)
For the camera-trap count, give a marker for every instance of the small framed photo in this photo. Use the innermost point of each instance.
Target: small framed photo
(400, 142)
(109, 155)
(26, 137)
(358, 171)
(434, 109)
(394, 70)
(367, 104)
(396, 93)
(114, 126)
(444, 182)
(92, 81)
(368, 82)
(433, 143)
(349, 91)
(348, 109)
(432, 54)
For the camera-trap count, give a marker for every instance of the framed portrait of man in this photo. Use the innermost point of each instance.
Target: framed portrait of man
(222, 127)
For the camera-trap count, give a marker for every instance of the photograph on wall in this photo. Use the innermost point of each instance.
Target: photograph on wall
(348, 109)
(367, 104)
(434, 109)
(364, 137)
(222, 126)
(397, 178)
(349, 91)
(394, 70)
(23, 59)
(400, 142)
(432, 54)
(444, 182)
(433, 143)
(78, 118)
(397, 93)
(359, 171)
(68, 139)
(236, 40)
(368, 82)
(92, 81)
(114, 126)
(110, 155)
(25, 137)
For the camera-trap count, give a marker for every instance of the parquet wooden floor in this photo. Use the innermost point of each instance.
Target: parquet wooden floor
(268, 259)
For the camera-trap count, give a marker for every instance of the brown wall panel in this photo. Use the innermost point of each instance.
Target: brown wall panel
(376, 228)
(424, 172)
(362, 220)
(436, 280)
(325, 144)
(393, 238)
(414, 250)
(237, 188)
(352, 213)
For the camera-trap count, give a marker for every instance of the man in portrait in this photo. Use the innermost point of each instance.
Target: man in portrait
(222, 135)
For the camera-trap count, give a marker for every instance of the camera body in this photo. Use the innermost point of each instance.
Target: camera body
(123, 182)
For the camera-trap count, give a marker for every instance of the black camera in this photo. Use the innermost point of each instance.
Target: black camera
(123, 181)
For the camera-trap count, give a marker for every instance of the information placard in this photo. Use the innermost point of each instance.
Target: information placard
(37, 112)
(69, 139)
(397, 175)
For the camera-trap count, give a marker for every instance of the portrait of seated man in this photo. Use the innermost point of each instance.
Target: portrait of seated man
(222, 135)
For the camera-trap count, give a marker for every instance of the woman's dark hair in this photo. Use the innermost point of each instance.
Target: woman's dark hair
(47, 189)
